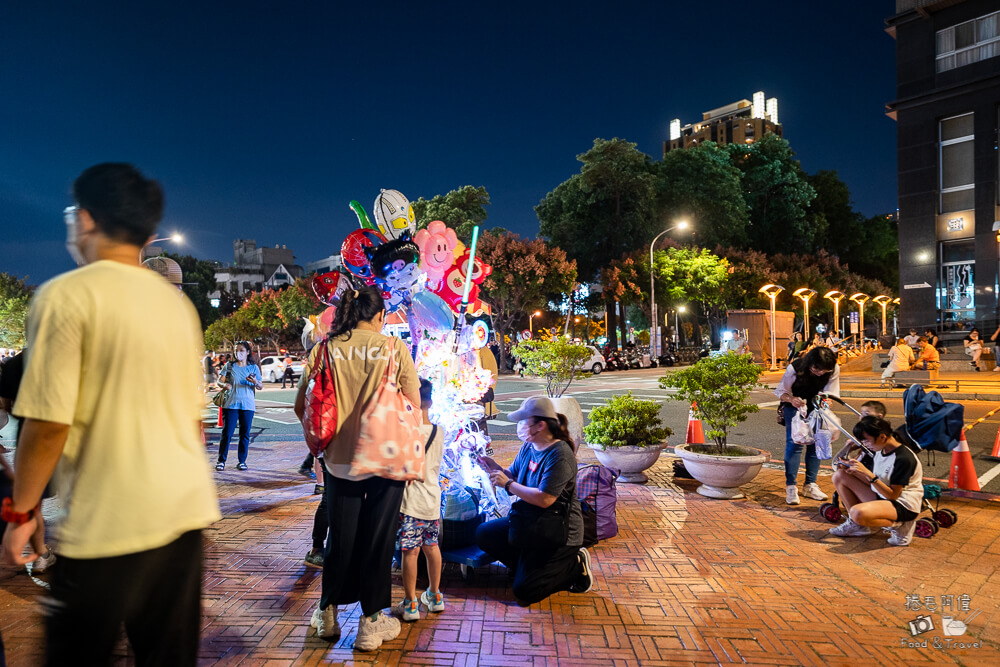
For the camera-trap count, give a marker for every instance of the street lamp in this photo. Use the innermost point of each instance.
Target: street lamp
(836, 297)
(861, 298)
(772, 291)
(805, 294)
(531, 317)
(883, 301)
(175, 237)
(652, 289)
(677, 330)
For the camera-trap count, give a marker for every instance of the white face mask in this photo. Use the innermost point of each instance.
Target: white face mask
(524, 430)
(241, 355)
(72, 219)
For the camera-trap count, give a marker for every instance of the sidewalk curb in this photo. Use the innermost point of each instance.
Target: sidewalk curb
(898, 393)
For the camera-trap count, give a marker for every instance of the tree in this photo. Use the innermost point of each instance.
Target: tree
(15, 296)
(460, 209)
(199, 281)
(778, 196)
(603, 212)
(701, 184)
(224, 333)
(526, 275)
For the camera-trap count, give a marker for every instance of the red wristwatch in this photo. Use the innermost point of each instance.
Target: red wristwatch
(8, 514)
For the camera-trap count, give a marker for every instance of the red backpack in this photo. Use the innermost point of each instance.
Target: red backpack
(319, 421)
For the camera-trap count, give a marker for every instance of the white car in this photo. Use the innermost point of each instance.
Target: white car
(596, 363)
(273, 368)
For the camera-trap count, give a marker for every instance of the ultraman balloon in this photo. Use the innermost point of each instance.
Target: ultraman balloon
(393, 214)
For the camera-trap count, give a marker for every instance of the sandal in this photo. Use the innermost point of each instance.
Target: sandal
(220, 466)
(241, 466)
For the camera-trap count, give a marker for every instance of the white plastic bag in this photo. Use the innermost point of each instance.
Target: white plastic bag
(802, 428)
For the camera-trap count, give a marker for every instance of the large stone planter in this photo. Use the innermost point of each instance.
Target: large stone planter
(632, 461)
(721, 476)
(567, 405)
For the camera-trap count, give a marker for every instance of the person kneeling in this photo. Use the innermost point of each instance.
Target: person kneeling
(541, 540)
(881, 492)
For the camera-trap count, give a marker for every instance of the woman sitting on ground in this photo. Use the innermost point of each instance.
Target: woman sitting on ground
(541, 478)
(881, 492)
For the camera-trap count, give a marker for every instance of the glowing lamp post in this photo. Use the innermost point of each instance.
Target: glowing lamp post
(654, 341)
(805, 294)
(175, 237)
(772, 292)
(861, 299)
(531, 319)
(836, 297)
(883, 301)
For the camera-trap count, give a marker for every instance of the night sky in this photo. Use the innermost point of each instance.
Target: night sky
(264, 119)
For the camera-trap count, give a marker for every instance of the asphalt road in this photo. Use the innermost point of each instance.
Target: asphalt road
(274, 418)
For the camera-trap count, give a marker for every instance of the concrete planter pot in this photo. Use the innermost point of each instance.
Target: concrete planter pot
(632, 461)
(567, 405)
(721, 476)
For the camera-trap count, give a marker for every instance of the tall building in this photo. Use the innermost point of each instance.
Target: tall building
(741, 122)
(946, 110)
(254, 269)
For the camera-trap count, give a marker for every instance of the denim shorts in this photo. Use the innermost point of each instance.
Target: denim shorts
(414, 533)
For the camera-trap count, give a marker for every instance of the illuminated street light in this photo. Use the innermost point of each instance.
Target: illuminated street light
(772, 292)
(531, 318)
(836, 297)
(883, 301)
(805, 294)
(861, 299)
(677, 331)
(175, 237)
(683, 224)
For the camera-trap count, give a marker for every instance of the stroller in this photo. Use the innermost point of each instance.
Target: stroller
(930, 424)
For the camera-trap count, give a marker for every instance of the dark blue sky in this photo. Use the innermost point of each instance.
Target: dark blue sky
(264, 119)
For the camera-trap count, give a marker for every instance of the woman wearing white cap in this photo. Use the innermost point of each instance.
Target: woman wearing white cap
(541, 540)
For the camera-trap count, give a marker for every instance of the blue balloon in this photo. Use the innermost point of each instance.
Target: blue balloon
(431, 312)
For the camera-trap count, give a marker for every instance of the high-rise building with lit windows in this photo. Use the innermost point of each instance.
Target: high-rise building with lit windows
(741, 122)
(947, 112)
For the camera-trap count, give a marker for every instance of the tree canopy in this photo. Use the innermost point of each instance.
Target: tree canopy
(460, 209)
(15, 296)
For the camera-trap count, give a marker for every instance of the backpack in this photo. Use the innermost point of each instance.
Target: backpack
(595, 487)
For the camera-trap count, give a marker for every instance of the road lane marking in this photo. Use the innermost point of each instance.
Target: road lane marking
(989, 475)
(769, 404)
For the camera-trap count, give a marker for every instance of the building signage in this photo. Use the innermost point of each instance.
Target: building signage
(916, 286)
(956, 224)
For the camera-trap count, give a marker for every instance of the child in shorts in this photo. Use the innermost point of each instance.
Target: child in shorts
(420, 523)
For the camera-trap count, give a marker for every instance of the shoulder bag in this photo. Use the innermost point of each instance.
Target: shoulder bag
(319, 421)
(390, 444)
(223, 396)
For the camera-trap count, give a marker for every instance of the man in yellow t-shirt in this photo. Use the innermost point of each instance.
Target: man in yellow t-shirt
(112, 404)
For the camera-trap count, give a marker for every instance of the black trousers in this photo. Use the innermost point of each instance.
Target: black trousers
(538, 573)
(321, 525)
(155, 593)
(358, 562)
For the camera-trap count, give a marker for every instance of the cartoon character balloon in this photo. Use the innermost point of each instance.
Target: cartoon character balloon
(437, 246)
(352, 252)
(329, 287)
(394, 266)
(394, 214)
(454, 283)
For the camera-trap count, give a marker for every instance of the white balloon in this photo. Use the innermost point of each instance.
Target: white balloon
(393, 214)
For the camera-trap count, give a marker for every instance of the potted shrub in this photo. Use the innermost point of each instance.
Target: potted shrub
(557, 361)
(721, 386)
(626, 433)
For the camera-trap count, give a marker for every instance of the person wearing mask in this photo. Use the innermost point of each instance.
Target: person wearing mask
(804, 378)
(543, 475)
(900, 359)
(363, 509)
(243, 376)
(884, 491)
(111, 400)
(928, 358)
(973, 347)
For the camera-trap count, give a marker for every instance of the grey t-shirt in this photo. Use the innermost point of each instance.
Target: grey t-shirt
(553, 471)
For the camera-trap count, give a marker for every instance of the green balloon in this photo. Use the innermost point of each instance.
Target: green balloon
(363, 218)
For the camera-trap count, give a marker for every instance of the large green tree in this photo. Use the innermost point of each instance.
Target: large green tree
(460, 209)
(14, 298)
(604, 212)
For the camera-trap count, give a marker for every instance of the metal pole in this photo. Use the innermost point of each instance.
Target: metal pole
(774, 349)
(805, 324)
(836, 318)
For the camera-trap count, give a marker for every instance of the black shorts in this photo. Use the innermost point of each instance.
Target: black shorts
(903, 513)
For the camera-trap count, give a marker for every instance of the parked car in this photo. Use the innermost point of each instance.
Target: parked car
(596, 363)
(273, 367)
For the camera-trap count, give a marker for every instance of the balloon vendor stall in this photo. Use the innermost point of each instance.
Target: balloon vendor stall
(430, 283)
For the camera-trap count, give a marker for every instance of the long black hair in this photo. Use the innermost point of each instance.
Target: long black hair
(360, 305)
(249, 348)
(807, 385)
(559, 428)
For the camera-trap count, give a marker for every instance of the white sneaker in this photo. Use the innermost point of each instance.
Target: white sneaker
(42, 563)
(325, 622)
(371, 633)
(813, 491)
(791, 495)
(433, 601)
(902, 533)
(407, 610)
(850, 529)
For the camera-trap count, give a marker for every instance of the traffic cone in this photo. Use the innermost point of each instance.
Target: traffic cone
(695, 433)
(219, 424)
(963, 473)
(995, 454)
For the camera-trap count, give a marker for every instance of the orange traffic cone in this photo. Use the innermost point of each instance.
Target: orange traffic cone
(963, 473)
(695, 433)
(219, 424)
(995, 454)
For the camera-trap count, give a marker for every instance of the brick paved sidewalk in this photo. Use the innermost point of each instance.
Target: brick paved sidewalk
(689, 581)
